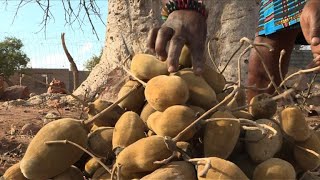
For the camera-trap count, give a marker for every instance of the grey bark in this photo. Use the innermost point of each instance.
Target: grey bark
(130, 21)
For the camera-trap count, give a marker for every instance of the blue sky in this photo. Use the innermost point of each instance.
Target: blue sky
(44, 49)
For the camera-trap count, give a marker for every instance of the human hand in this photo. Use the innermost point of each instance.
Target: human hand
(182, 27)
(310, 24)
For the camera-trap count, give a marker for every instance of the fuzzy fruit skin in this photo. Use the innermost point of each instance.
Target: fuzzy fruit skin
(172, 121)
(135, 101)
(242, 114)
(221, 169)
(163, 91)
(72, 173)
(274, 168)
(174, 170)
(108, 119)
(217, 133)
(128, 130)
(101, 174)
(91, 166)
(308, 161)
(146, 112)
(262, 147)
(201, 94)
(100, 142)
(262, 110)
(14, 173)
(154, 117)
(42, 161)
(294, 124)
(185, 59)
(139, 157)
(215, 80)
(145, 66)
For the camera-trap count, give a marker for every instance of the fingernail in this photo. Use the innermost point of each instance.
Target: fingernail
(315, 41)
(172, 69)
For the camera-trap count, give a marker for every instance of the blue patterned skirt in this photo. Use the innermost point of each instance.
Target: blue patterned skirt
(276, 15)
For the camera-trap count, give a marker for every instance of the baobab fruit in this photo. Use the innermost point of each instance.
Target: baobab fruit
(163, 91)
(294, 124)
(135, 101)
(262, 106)
(274, 168)
(44, 161)
(145, 66)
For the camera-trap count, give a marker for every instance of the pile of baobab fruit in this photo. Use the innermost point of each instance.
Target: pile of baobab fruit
(174, 126)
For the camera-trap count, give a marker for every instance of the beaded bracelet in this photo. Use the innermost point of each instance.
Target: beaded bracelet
(174, 5)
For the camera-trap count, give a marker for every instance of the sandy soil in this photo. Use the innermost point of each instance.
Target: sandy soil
(12, 142)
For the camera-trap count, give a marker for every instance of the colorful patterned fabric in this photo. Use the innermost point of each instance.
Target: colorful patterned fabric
(276, 15)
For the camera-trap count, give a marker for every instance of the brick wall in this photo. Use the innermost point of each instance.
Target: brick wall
(46, 76)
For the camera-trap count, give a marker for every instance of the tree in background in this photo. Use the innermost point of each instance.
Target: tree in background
(92, 62)
(12, 58)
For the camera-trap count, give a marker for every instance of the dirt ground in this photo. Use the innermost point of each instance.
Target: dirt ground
(13, 142)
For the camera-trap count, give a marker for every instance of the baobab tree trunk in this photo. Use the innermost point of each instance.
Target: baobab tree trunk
(128, 24)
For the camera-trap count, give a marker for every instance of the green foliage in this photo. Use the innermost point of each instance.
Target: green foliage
(12, 58)
(92, 62)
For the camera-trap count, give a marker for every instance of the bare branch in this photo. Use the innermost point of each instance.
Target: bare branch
(89, 18)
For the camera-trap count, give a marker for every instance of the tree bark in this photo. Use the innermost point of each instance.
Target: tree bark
(129, 21)
(73, 66)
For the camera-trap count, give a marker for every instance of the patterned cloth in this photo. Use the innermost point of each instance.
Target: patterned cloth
(276, 15)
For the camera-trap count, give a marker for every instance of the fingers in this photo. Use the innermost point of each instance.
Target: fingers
(176, 45)
(152, 36)
(197, 58)
(164, 35)
(315, 30)
(314, 63)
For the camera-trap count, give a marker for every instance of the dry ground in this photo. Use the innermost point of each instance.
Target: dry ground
(12, 143)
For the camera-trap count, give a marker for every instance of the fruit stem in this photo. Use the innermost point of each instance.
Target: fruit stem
(80, 147)
(213, 109)
(135, 77)
(254, 45)
(111, 106)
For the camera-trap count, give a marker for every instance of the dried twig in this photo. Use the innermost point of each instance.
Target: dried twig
(235, 52)
(258, 126)
(309, 88)
(258, 89)
(207, 165)
(282, 53)
(280, 96)
(300, 72)
(211, 58)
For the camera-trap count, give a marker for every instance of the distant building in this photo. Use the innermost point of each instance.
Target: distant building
(46, 76)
